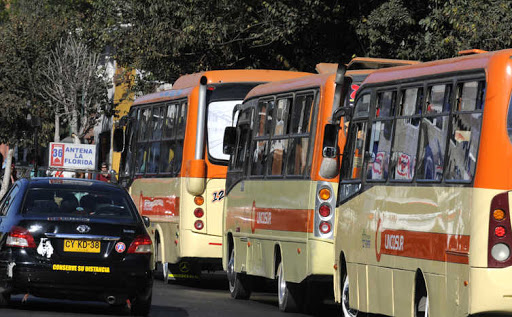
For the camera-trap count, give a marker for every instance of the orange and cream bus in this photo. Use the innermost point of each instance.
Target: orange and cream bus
(423, 219)
(174, 168)
(281, 186)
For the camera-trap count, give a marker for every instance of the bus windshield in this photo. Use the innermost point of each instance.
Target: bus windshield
(219, 117)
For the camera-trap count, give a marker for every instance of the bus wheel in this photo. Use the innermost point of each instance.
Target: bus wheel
(165, 272)
(239, 283)
(421, 306)
(347, 311)
(288, 293)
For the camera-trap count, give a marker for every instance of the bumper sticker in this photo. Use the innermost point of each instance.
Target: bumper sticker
(81, 268)
(45, 248)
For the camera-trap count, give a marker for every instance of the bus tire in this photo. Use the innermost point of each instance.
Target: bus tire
(288, 293)
(345, 307)
(165, 272)
(239, 283)
(421, 303)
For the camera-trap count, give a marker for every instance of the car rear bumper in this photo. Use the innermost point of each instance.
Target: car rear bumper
(79, 282)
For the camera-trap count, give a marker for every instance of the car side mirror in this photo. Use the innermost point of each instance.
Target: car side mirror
(229, 140)
(146, 220)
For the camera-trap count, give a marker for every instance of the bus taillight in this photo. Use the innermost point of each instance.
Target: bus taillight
(325, 227)
(499, 242)
(324, 210)
(199, 200)
(198, 212)
(199, 225)
(325, 203)
(500, 231)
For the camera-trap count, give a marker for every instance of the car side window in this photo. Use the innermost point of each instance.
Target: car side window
(7, 203)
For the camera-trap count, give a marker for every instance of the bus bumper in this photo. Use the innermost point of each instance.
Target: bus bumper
(321, 258)
(197, 245)
(490, 290)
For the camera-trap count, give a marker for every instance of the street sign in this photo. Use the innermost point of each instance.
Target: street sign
(72, 156)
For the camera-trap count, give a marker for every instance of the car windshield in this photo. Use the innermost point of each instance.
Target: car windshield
(77, 203)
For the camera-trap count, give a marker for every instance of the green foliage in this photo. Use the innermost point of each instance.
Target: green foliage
(172, 37)
(433, 29)
(27, 35)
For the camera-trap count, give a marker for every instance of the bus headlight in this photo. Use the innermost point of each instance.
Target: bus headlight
(500, 252)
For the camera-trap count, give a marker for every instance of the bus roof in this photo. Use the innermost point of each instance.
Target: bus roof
(456, 64)
(314, 80)
(363, 64)
(235, 76)
(186, 83)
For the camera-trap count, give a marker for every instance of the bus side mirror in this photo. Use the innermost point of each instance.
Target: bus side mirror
(330, 144)
(118, 142)
(229, 140)
(342, 112)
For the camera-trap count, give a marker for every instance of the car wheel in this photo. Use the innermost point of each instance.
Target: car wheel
(141, 307)
(288, 293)
(345, 307)
(4, 299)
(239, 284)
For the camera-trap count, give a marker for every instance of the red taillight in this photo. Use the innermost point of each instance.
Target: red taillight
(324, 210)
(324, 227)
(20, 237)
(199, 225)
(500, 231)
(198, 212)
(141, 244)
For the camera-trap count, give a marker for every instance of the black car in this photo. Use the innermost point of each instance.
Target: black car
(75, 239)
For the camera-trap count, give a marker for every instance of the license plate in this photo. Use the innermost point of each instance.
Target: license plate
(85, 246)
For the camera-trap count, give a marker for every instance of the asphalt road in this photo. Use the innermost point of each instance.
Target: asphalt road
(210, 297)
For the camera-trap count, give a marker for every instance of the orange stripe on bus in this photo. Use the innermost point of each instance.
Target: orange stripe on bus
(424, 245)
(295, 220)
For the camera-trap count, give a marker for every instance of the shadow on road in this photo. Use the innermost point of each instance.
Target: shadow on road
(54, 307)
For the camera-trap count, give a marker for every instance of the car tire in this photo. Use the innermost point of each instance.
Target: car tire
(289, 294)
(4, 299)
(141, 307)
(239, 284)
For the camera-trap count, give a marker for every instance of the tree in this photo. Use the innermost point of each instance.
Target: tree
(169, 38)
(29, 30)
(433, 29)
(75, 87)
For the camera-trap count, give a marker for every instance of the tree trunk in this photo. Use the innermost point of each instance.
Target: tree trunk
(7, 172)
(56, 137)
(74, 121)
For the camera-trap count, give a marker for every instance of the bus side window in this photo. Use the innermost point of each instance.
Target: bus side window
(260, 142)
(299, 134)
(433, 134)
(279, 142)
(465, 134)
(355, 147)
(380, 142)
(405, 144)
